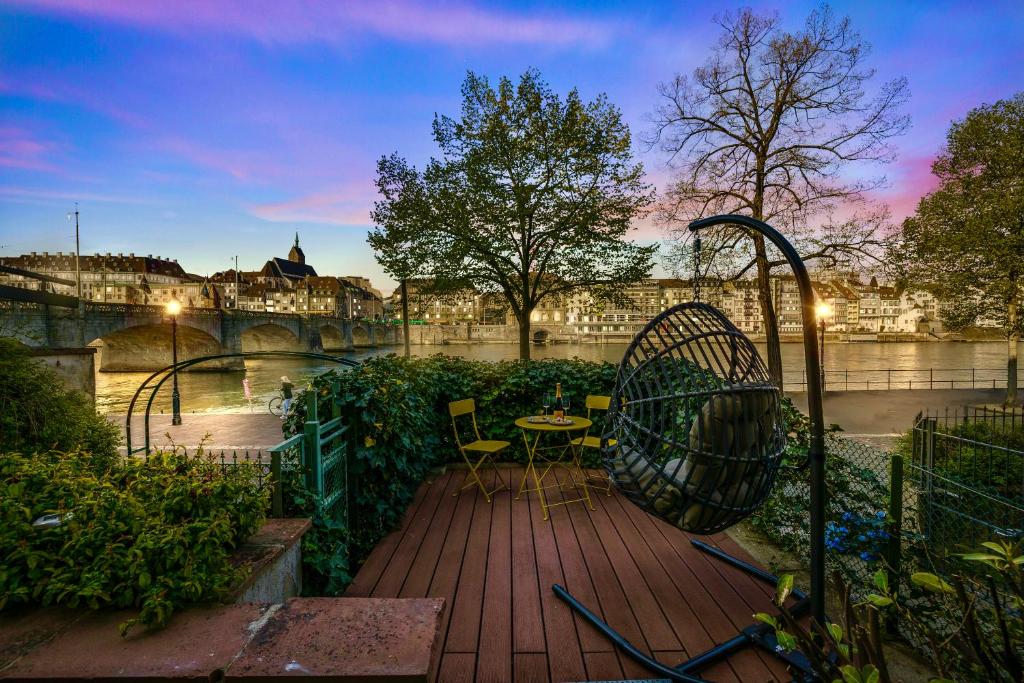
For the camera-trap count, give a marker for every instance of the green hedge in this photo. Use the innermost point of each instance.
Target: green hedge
(405, 430)
(153, 534)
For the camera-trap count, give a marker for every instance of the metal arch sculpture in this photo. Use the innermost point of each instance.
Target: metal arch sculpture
(181, 365)
(698, 439)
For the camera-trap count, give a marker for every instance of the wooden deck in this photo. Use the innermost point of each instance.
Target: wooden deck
(495, 564)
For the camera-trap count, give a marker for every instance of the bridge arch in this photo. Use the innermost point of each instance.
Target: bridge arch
(361, 335)
(269, 336)
(333, 337)
(142, 347)
(541, 336)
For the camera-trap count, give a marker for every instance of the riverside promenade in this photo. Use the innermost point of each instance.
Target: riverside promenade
(215, 431)
(877, 417)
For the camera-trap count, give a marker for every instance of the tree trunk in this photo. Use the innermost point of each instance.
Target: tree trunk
(771, 322)
(405, 316)
(1013, 340)
(524, 335)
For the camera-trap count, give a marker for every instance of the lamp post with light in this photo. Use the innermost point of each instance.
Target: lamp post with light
(823, 310)
(173, 308)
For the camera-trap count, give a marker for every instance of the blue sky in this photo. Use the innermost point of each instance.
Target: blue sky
(201, 129)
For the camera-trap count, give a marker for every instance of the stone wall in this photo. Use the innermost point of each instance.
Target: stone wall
(76, 366)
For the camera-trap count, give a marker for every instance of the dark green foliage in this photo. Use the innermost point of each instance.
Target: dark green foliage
(404, 430)
(856, 495)
(37, 412)
(153, 534)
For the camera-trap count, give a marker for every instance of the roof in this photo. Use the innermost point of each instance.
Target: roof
(111, 263)
(291, 269)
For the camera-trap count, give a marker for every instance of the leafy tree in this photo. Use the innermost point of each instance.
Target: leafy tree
(532, 198)
(766, 127)
(966, 241)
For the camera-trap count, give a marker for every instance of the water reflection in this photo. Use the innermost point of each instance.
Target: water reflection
(222, 391)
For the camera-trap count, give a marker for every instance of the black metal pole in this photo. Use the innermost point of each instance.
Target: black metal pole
(175, 396)
(816, 454)
(821, 324)
(405, 315)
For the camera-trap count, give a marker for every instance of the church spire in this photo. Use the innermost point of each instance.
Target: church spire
(296, 254)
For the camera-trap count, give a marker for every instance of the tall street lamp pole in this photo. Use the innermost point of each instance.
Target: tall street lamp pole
(823, 310)
(173, 309)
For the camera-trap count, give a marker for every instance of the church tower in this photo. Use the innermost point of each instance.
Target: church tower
(296, 254)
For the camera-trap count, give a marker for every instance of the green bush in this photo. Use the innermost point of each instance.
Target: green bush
(404, 430)
(37, 412)
(153, 534)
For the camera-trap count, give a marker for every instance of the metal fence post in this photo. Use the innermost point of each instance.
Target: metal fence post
(277, 494)
(894, 550)
(312, 457)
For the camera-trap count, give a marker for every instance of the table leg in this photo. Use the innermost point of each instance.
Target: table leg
(531, 466)
(537, 479)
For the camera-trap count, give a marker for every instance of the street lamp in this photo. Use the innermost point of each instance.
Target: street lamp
(823, 311)
(173, 308)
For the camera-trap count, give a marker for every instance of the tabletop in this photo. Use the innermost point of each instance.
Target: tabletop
(577, 423)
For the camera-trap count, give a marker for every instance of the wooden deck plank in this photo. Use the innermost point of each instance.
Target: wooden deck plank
(565, 656)
(577, 576)
(527, 617)
(748, 664)
(603, 666)
(449, 565)
(421, 573)
(494, 663)
(365, 581)
(530, 667)
(457, 667)
(464, 629)
(395, 573)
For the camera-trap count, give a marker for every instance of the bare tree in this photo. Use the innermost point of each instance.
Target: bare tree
(767, 126)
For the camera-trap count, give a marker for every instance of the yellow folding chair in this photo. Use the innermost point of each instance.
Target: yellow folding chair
(486, 449)
(597, 481)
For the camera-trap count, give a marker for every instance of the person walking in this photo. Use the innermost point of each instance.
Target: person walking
(286, 392)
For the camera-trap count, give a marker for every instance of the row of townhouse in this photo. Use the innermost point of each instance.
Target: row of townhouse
(282, 285)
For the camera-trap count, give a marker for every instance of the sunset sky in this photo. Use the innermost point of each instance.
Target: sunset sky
(201, 130)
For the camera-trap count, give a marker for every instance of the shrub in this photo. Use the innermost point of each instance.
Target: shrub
(153, 534)
(37, 412)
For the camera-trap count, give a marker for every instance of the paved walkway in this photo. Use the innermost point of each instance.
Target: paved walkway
(216, 431)
(878, 416)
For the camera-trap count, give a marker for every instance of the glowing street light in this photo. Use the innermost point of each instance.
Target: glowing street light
(823, 311)
(173, 308)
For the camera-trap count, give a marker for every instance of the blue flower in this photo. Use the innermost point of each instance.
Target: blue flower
(880, 514)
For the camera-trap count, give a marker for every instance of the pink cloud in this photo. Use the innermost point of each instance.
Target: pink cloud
(242, 165)
(910, 179)
(20, 149)
(338, 23)
(348, 205)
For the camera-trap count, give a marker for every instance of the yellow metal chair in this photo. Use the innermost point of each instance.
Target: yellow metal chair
(486, 449)
(598, 403)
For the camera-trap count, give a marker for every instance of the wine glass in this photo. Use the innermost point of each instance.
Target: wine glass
(547, 403)
(565, 404)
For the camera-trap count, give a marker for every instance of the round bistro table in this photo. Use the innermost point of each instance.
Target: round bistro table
(534, 453)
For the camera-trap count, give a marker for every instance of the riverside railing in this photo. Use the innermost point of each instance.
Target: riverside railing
(903, 378)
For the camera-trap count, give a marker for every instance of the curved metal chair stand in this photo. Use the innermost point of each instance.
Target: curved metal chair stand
(169, 371)
(699, 438)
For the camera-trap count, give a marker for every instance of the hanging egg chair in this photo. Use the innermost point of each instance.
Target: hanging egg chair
(696, 421)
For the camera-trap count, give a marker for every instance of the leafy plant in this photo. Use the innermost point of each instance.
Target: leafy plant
(987, 643)
(155, 534)
(37, 412)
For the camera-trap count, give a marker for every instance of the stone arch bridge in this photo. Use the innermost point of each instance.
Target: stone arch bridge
(138, 338)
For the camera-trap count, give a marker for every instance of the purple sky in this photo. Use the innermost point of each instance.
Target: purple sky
(201, 129)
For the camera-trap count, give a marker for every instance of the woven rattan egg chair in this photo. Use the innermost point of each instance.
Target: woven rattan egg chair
(698, 433)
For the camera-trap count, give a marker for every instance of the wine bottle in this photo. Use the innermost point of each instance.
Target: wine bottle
(559, 411)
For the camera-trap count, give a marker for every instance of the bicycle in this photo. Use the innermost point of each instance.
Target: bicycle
(276, 406)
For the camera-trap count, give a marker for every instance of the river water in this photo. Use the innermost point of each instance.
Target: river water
(852, 366)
